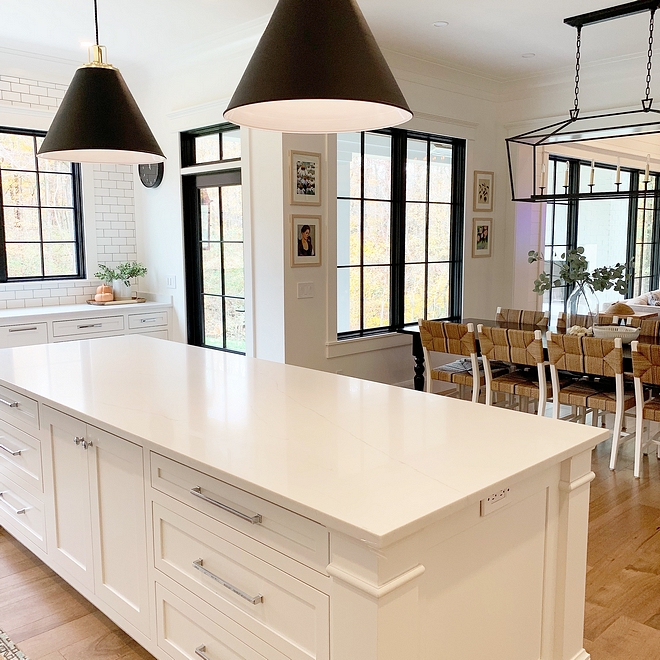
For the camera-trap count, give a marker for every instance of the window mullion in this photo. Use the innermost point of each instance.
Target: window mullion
(398, 228)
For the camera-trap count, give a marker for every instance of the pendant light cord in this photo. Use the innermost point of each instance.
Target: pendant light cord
(646, 103)
(576, 103)
(96, 21)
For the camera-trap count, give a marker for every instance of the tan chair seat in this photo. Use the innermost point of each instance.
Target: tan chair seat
(594, 394)
(508, 383)
(460, 372)
(652, 410)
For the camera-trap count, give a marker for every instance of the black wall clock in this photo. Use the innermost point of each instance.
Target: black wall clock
(151, 175)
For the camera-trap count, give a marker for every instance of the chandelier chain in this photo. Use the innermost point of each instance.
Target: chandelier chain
(576, 103)
(650, 54)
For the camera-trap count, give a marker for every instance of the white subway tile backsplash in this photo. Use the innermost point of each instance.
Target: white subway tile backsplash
(21, 295)
(15, 304)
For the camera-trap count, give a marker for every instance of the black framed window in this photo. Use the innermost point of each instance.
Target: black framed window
(213, 243)
(624, 230)
(41, 224)
(400, 217)
(211, 144)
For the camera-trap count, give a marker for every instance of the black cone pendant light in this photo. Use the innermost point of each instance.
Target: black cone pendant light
(98, 120)
(318, 69)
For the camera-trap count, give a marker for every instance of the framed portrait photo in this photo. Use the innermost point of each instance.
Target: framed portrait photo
(306, 240)
(483, 191)
(482, 239)
(305, 178)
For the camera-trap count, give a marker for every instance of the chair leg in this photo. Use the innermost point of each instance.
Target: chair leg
(616, 438)
(639, 438)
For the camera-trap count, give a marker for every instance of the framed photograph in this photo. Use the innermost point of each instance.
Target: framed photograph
(306, 240)
(483, 191)
(482, 237)
(305, 178)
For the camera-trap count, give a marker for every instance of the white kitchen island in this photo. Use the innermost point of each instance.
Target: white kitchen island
(221, 507)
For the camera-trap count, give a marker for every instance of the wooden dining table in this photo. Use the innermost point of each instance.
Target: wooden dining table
(418, 351)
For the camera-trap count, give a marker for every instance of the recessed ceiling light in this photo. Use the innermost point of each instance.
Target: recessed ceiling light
(441, 23)
(528, 56)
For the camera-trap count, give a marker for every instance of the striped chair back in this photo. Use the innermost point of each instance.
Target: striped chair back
(526, 347)
(586, 355)
(446, 337)
(522, 317)
(494, 343)
(646, 362)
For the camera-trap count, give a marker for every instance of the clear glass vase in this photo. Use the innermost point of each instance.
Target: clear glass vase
(582, 306)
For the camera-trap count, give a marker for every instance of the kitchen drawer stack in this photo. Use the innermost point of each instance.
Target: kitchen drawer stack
(85, 322)
(190, 566)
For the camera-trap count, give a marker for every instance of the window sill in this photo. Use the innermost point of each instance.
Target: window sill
(335, 349)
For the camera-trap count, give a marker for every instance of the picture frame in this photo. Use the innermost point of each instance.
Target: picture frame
(482, 237)
(305, 186)
(305, 250)
(484, 183)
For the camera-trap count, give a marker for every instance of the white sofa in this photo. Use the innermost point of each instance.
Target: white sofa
(647, 302)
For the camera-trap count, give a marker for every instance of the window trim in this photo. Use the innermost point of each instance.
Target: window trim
(188, 144)
(78, 217)
(397, 229)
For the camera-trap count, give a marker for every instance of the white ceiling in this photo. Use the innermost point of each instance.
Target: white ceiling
(484, 36)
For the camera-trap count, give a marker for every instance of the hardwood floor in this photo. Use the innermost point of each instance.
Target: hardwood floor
(48, 620)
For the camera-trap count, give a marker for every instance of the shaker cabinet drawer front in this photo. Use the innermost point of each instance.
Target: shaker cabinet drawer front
(20, 456)
(25, 334)
(278, 608)
(23, 512)
(144, 321)
(82, 327)
(186, 634)
(281, 529)
(15, 406)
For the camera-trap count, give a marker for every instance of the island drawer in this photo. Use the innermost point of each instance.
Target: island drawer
(18, 407)
(23, 334)
(20, 456)
(281, 529)
(82, 327)
(186, 634)
(23, 512)
(278, 608)
(153, 320)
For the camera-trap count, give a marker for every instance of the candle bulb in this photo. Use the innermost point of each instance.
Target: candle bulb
(566, 174)
(647, 173)
(593, 172)
(617, 181)
(543, 175)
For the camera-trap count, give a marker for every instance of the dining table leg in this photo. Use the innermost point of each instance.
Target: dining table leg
(418, 354)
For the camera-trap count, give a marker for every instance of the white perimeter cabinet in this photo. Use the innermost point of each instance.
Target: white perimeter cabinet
(96, 515)
(198, 564)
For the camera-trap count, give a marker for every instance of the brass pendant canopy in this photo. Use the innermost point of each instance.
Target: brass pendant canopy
(318, 69)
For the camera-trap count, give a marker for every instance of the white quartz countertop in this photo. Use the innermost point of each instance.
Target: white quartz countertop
(374, 461)
(31, 314)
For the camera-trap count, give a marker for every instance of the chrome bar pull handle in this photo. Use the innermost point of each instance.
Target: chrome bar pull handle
(90, 325)
(11, 404)
(200, 652)
(32, 327)
(13, 508)
(148, 320)
(255, 520)
(255, 600)
(17, 452)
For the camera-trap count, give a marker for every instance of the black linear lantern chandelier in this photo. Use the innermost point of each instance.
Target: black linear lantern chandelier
(98, 120)
(527, 153)
(318, 69)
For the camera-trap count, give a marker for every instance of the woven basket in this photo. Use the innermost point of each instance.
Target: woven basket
(626, 333)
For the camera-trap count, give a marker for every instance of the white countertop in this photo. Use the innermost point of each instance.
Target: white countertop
(374, 461)
(68, 311)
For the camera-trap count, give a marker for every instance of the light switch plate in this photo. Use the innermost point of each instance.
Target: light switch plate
(305, 289)
(171, 281)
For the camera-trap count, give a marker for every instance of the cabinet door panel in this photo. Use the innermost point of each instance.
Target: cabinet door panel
(71, 537)
(119, 526)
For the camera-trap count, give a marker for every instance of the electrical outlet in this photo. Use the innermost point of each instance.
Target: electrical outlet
(494, 501)
(171, 281)
(305, 289)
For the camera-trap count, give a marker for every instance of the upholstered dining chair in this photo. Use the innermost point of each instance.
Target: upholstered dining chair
(451, 339)
(522, 317)
(601, 389)
(646, 370)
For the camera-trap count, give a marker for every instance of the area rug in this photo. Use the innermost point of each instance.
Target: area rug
(8, 650)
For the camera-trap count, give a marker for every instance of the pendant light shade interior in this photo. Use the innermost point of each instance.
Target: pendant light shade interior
(318, 69)
(99, 121)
